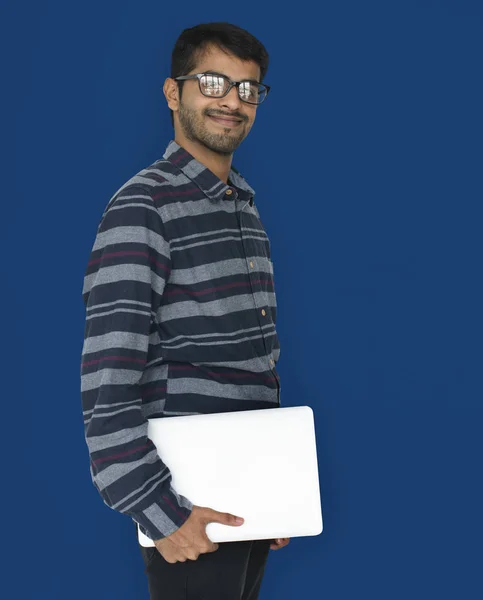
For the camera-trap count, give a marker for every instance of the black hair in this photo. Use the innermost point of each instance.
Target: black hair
(192, 42)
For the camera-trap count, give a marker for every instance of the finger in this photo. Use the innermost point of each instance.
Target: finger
(279, 543)
(215, 516)
(275, 546)
(211, 546)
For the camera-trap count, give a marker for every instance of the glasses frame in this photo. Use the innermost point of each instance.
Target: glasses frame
(232, 83)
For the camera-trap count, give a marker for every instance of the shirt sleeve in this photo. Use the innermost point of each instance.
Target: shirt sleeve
(123, 287)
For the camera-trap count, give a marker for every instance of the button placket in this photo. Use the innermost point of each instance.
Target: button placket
(262, 313)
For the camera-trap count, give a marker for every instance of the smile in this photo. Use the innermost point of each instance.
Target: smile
(225, 122)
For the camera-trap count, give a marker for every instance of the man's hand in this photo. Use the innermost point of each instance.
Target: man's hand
(190, 540)
(279, 543)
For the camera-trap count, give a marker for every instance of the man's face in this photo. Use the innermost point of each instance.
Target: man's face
(196, 111)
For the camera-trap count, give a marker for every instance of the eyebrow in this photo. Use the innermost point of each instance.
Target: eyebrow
(211, 72)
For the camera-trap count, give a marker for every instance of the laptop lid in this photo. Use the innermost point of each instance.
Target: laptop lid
(257, 464)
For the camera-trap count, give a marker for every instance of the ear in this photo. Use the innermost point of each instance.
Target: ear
(170, 89)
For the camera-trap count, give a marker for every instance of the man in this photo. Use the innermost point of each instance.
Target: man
(181, 313)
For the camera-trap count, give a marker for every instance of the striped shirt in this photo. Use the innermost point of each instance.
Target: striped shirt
(180, 320)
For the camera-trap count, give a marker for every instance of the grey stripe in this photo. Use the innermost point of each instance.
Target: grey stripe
(139, 179)
(215, 308)
(217, 240)
(114, 472)
(201, 234)
(110, 414)
(216, 187)
(209, 271)
(144, 196)
(182, 501)
(132, 233)
(256, 234)
(160, 520)
(123, 436)
(114, 302)
(135, 204)
(192, 208)
(146, 493)
(114, 311)
(116, 339)
(127, 272)
(223, 342)
(257, 364)
(107, 376)
(85, 412)
(239, 390)
(154, 407)
(206, 336)
(154, 373)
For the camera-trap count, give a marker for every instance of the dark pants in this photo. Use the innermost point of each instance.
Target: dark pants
(233, 572)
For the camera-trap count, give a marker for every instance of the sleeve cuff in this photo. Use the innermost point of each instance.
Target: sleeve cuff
(164, 517)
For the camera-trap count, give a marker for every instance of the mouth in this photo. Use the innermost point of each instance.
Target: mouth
(226, 122)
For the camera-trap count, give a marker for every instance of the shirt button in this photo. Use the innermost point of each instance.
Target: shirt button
(251, 264)
(263, 312)
(228, 192)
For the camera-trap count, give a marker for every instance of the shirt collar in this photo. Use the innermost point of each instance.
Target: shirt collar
(209, 183)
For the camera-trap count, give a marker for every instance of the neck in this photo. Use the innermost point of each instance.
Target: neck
(218, 164)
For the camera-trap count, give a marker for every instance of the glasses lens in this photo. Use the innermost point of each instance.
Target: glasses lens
(216, 86)
(252, 92)
(213, 85)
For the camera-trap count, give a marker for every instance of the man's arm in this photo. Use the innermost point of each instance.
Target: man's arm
(123, 287)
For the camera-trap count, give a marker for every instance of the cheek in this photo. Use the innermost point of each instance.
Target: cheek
(198, 106)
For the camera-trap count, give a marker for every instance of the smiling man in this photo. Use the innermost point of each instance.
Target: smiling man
(181, 313)
(212, 113)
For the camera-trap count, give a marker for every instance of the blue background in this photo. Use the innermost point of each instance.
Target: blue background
(369, 152)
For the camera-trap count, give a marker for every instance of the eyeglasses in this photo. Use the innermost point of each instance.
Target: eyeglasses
(215, 85)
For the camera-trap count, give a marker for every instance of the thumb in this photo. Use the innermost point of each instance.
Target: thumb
(215, 516)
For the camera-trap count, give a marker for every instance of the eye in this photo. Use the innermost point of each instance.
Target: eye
(213, 84)
(249, 89)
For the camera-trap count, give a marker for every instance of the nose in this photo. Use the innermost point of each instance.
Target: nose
(232, 99)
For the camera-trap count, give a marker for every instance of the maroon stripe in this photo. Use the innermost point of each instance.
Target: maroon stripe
(118, 358)
(182, 154)
(151, 391)
(180, 193)
(168, 501)
(156, 177)
(227, 286)
(113, 456)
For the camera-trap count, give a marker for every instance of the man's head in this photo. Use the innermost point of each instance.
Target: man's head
(223, 49)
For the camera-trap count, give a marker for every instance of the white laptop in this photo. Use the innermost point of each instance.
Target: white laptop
(257, 464)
